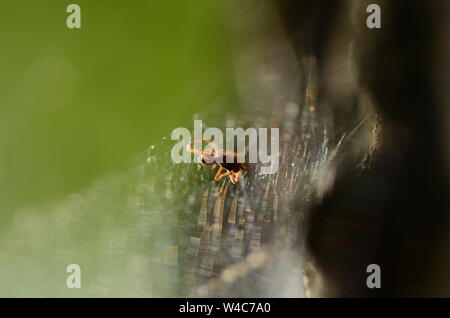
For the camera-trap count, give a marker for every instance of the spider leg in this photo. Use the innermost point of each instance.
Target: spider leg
(210, 152)
(219, 175)
(200, 140)
(201, 152)
(190, 149)
(237, 176)
(232, 177)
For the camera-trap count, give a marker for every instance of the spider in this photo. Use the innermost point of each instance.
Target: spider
(229, 163)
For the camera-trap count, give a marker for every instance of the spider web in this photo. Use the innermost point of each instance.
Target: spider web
(163, 229)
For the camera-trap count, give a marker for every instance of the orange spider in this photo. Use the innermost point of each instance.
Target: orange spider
(229, 161)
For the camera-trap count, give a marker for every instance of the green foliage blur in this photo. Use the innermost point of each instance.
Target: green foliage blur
(79, 104)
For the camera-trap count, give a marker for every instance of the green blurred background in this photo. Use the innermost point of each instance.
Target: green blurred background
(77, 105)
